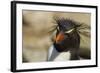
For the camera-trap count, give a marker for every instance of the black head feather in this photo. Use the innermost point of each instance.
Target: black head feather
(66, 24)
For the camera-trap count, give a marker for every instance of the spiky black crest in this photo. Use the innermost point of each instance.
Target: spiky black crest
(66, 22)
(81, 27)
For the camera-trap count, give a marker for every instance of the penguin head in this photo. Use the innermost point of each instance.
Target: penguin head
(64, 29)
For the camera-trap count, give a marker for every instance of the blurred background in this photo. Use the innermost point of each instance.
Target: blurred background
(37, 37)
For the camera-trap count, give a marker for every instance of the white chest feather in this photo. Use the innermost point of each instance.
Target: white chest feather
(63, 56)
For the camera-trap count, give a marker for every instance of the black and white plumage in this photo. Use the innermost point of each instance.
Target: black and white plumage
(54, 55)
(67, 38)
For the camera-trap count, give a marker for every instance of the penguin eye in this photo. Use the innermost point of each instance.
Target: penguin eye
(69, 31)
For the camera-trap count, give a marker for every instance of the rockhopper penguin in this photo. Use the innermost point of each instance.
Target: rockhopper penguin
(67, 37)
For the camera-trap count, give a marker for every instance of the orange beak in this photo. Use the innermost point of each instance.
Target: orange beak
(59, 37)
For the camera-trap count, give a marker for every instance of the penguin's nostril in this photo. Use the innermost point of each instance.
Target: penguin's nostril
(59, 37)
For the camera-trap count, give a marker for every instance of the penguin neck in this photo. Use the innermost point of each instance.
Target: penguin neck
(73, 54)
(60, 48)
(58, 56)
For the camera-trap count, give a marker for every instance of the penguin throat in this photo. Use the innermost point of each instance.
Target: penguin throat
(60, 48)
